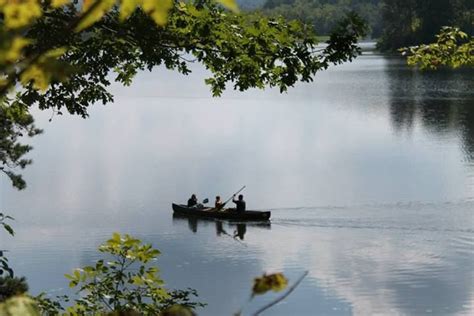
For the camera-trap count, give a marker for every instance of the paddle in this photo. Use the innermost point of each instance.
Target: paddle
(201, 205)
(223, 204)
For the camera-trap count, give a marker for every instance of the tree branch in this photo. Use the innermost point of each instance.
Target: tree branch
(281, 298)
(14, 77)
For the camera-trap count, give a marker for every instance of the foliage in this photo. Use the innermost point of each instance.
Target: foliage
(15, 122)
(177, 310)
(19, 306)
(413, 22)
(4, 266)
(26, 306)
(25, 60)
(400, 24)
(344, 39)
(12, 286)
(18, 61)
(6, 226)
(276, 283)
(49, 306)
(271, 282)
(125, 283)
(323, 15)
(453, 49)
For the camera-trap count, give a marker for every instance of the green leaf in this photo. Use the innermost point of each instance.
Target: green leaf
(158, 10)
(127, 7)
(18, 14)
(116, 238)
(37, 76)
(136, 280)
(93, 11)
(59, 3)
(14, 52)
(177, 310)
(230, 4)
(272, 282)
(9, 229)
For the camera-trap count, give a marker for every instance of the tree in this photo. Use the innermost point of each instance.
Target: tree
(61, 55)
(5, 269)
(323, 15)
(452, 49)
(126, 281)
(414, 22)
(400, 23)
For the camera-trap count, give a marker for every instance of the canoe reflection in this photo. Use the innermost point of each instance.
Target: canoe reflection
(238, 229)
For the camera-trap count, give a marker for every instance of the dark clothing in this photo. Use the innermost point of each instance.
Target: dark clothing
(239, 205)
(192, 202)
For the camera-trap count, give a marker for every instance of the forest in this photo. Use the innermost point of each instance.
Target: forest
(393, 23)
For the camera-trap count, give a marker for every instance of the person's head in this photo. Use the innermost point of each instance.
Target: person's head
(241, 197)
(193, 197)
(218, 198)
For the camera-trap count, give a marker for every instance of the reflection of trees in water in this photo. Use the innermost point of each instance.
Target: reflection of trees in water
(468, 132)
(441, 102)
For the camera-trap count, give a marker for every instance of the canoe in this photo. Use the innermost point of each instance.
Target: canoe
(224, 214)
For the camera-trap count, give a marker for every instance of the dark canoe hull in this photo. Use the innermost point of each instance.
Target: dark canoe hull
(230, 215)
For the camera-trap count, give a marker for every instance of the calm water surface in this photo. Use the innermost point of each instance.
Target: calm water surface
(369, 173)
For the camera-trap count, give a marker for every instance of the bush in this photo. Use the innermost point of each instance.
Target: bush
(123, 285)
(11, 286)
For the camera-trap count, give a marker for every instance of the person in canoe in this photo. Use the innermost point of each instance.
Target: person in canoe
(193, 201)
(218, 205)
(239, 204)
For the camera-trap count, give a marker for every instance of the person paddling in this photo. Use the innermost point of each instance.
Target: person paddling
(193, 201)
(239, 204)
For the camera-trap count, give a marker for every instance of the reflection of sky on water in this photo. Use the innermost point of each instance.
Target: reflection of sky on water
(366, 142)
(405, 258)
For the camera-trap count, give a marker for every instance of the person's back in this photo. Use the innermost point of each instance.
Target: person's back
(240, 204)
(192, 201)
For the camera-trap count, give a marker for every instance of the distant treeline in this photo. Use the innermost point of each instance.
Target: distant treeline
(323, 15)
(410, 22)
(251, 4)
(395, 23)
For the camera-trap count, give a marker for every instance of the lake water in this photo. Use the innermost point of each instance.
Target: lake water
(368, 171)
